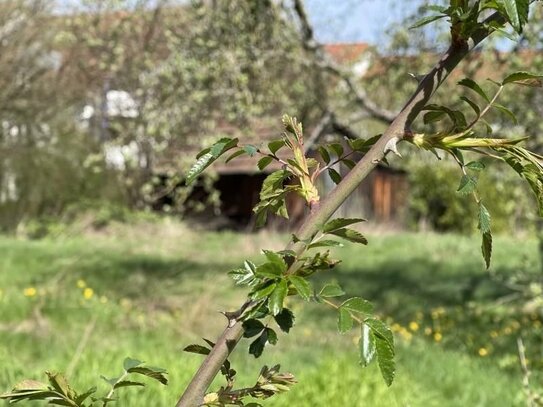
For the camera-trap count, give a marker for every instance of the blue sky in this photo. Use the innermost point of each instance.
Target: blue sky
(347, 20)
(356, 20)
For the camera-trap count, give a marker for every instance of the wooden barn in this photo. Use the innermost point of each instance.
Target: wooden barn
(381, 198)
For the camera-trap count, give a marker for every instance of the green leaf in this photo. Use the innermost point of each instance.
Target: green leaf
(344, 321)
(325, 243)
(285, 320)
(277, 297)
(245, 275)
(130, 363)
(272, 336)
(380, 330)
(252, 327)
(473, 105)
(270, 270)
(337, 149)
(302, 286)
(468, 184)
(264, 162)
(433, 116)
(203, 162)
(222, 146)
(276, 259)
(331, 290)
(324, 154)
(475, 166)
(250, 150)
(471, 84)
(198, 349)
(456, 116)
(82, 397)
(486, 248)
(362, 145)
(516, 12)
(349, 163)
(263, 291)
(59, 383)
(529, 166)
(257, 346)
(506, 111)
(357, 304)
(484, 219)
(366, 346)
(426, 20)
(30, 385)
(127, 383)
(385, 359)
(350, 235)
(203, 152)
(524, 78)
(20, 395)
(273, 183)
(234, 155)
(334, 175)
(275, 145)
(339, 223)
(155, 373)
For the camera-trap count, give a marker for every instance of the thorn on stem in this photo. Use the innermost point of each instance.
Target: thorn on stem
(392, 145)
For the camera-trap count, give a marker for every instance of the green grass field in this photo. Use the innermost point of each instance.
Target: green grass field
(80, 304)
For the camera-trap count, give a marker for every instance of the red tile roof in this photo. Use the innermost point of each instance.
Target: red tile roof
(346, 52)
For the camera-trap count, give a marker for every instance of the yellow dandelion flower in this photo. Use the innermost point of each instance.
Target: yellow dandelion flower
(81, 283)
(483, 352)
(103, 299)
(438, 337)
(396, 327)
(126, 303)
(29, 292)
(413, 326)
(88, 293)
(406, 334)
(507, 330)
(494, 334)
(428, 331)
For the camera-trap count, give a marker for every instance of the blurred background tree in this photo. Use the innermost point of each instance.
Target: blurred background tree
(106, 102)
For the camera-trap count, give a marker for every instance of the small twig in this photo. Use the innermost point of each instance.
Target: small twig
(82, 345)
(485, 110)
(335, 306)
(525, 373)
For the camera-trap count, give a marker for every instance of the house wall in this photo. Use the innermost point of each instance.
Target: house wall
(381, 198)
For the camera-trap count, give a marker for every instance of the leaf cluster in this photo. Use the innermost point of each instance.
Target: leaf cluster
(467, 17)
(462, 136)
(59, 392)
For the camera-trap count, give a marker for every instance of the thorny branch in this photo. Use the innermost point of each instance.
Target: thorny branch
(194, 394)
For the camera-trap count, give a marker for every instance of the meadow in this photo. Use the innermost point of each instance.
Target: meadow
(81, 302)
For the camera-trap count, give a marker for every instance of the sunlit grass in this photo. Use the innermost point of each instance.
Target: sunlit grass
(147, 292)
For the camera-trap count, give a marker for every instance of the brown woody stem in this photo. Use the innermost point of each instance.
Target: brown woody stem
(194, 394)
